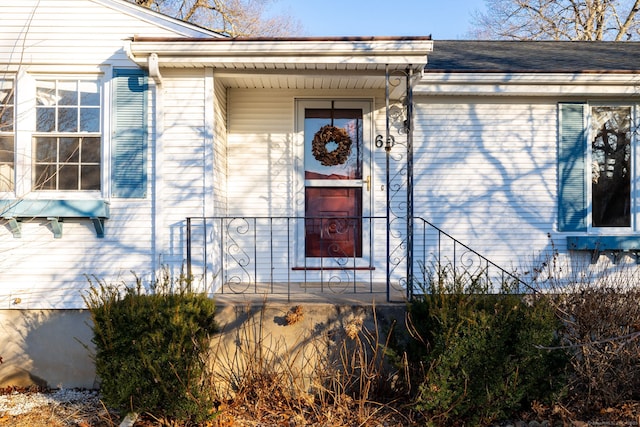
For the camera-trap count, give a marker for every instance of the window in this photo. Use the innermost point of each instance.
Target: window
(610, 166)
(595, 169)
(7, 139)
(67, 141)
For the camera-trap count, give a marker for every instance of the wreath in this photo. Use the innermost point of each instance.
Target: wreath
(325, 135)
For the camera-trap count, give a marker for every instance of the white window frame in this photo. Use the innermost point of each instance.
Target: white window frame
(634, 175)
(10, 133)
(25, 131)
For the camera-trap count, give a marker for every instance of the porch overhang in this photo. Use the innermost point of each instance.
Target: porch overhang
(275, 60)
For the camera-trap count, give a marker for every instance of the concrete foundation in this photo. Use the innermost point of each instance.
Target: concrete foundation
(53, 347)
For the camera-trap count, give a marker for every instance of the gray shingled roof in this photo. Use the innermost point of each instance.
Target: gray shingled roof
(533, 56)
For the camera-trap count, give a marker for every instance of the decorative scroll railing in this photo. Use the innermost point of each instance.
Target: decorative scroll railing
(267, 255)
(439, 258)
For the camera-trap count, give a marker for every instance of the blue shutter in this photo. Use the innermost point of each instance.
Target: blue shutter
(572, 188)
(129, 143)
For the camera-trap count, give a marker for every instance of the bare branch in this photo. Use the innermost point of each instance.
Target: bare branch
(587, 20)
(235, 18)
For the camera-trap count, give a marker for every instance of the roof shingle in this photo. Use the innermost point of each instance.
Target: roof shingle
(534, 56)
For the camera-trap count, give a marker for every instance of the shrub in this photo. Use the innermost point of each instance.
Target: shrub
(602, 333)
(477, 351)
(601, 317)
(152, 348)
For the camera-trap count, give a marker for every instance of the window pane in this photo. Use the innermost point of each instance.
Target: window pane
(6, 163)
(90, 150)
(46, 150)
(46, 119)
(67, 93)
(6, 118)
(611, 166)
(324, 157)
(69, 150)
(68, 177)
(6, 177)
(44, 178)
(6, 91)
(46, 93)
(6, 105)
(90, 177)
(68, 119)
(89, 120)
(89, 93)
(6, 149)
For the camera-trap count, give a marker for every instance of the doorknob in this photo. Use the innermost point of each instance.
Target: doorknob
(368, 181)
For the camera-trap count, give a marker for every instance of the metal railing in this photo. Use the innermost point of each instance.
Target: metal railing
(298, 255)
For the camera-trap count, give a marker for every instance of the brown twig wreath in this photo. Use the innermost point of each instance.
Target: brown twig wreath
(325, 135)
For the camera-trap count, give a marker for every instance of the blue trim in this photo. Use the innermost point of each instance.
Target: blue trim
(96, 210)
(572, 182)
(603, 243)
(129, 141)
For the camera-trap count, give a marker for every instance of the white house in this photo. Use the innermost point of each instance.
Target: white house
(132, 142)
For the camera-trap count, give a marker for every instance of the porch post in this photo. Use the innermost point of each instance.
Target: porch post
(409, 130)
(387, 149)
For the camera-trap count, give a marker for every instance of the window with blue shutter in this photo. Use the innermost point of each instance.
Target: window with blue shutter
(129, 143)
(572, 152)
(607, 144)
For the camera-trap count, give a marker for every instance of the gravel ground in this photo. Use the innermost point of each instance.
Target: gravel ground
(18, 403)
(55, 408)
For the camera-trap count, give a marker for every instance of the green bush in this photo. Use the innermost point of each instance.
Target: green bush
(478, 353)
(152, 347)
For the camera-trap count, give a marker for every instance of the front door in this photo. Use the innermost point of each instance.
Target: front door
(335, 178)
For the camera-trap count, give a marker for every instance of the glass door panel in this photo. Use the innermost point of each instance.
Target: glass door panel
(333, 172)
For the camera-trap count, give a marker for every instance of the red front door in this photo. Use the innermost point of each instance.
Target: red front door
(333, 224)
(333, 182)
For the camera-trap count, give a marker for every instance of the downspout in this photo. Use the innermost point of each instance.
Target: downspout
(158, 163)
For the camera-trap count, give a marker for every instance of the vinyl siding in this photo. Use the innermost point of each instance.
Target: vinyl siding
(183, 172)
(72, 32)
(485, 172)
(220, 150)
(261, 153)
(89, 36)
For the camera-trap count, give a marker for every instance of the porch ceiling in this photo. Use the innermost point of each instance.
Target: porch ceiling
(300, 63)
(302, 80)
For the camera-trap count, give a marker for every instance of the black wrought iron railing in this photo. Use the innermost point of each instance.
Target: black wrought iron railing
(297, 255)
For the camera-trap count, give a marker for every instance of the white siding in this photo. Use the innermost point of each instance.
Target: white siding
(44, 272)
(220, 150)
(183, 173)
(485, 172)
(59, 37)
(73, 32)
(261, 153)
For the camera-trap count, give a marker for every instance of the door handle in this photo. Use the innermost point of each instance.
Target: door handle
(368, 181)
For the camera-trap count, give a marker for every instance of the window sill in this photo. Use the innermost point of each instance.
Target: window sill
(54, 211)
(600, 244)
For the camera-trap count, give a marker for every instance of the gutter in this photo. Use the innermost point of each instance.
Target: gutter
(359, 54)
(153, 64)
